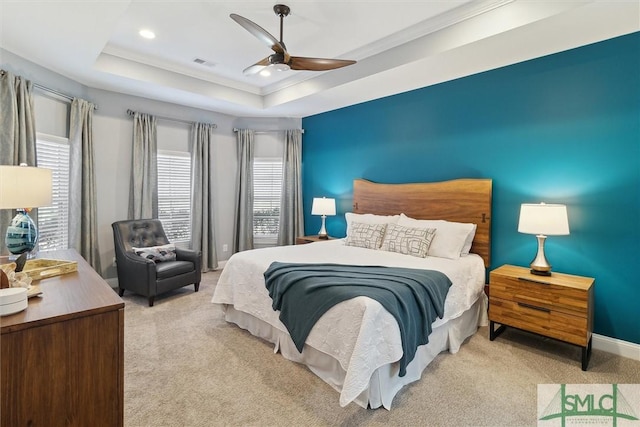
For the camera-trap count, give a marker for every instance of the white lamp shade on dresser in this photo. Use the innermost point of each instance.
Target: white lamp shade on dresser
(24, 187)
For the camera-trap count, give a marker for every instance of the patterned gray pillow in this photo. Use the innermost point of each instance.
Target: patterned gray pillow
(408, 240)
(157, 253)
(365, 235)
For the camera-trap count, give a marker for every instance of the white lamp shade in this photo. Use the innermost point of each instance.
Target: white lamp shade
(543, 219)
(323, 206)
(24, 187)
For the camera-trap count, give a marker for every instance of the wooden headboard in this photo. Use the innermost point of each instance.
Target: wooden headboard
(458, 200)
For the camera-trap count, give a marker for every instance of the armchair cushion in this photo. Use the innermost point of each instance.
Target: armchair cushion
(157, 253)
(165, 270)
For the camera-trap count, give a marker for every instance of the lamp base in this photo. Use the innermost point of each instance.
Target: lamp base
(540, 273)
(540, 266)
(22, 234)
(322, 234)
(25, 255)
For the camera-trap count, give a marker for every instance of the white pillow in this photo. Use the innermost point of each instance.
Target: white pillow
(451, 237)
(469, 241)
(369, 219)
(412, 241)
(365, 235)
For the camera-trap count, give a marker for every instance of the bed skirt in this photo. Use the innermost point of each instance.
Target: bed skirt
(385, 383)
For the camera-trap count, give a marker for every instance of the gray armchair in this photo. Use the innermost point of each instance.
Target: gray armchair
(144, 276)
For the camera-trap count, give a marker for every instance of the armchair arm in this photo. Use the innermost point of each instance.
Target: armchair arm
(139, 274)
(190, 255)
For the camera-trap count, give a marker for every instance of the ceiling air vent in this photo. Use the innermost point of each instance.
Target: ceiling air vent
(204, 62)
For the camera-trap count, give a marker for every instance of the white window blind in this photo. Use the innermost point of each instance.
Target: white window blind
(53, 221)
(174, 194)
(267, 189)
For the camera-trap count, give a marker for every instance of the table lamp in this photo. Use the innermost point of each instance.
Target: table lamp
(22, 188)
(323, 206)
(543, 220)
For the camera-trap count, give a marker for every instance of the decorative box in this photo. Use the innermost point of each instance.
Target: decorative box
(12, 300)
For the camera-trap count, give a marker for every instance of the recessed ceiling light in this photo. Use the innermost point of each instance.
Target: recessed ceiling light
(147, 34)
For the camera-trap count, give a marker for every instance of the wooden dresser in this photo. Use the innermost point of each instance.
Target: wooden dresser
(559, 306)
(62, 359)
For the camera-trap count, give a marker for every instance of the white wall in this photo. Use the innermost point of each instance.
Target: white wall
(52, 114)
(113, 132)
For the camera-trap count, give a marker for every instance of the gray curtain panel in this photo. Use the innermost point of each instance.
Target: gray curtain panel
(83, 211)
(291, 213)
(244, 184)
(143, 193)
(17, 133)
(202, 178)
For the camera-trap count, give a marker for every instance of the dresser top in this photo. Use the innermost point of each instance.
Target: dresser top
(68, 296)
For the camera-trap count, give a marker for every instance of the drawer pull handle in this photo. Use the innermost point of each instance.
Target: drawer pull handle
(533, 307)
(526, 279)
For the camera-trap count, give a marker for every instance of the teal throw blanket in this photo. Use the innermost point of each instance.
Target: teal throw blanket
(304, 292)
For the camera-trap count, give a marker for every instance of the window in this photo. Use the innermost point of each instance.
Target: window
(174, 194)
(267, 188)
(53, 221)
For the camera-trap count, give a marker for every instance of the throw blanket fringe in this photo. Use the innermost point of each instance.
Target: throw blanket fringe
(304, 292)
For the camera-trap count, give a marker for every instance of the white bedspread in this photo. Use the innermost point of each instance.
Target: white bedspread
(359, 333)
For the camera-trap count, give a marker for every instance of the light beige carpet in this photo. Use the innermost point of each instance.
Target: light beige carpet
(185, 366)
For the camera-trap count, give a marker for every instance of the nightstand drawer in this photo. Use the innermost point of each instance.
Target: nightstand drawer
(539, 319)
(540, 292)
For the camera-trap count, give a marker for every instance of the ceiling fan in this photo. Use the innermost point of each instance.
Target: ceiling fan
(281, 60)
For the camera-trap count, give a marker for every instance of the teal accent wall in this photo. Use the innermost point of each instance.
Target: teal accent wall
(564, 128)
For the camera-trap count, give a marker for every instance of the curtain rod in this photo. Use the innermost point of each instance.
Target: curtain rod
(57, 93)
(52, 91)
(171, 119)
(266, 131)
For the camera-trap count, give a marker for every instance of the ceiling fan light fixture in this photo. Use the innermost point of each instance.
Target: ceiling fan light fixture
(266, 72)
(281, 67)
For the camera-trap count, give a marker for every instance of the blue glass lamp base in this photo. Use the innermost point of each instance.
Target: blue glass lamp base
(22, 234)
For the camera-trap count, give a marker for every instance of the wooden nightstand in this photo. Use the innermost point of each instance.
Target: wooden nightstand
(559, 306)
(310, 239)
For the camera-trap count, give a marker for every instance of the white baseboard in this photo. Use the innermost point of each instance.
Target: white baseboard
(616, 346)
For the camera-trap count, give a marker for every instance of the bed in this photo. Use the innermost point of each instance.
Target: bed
(355, 346)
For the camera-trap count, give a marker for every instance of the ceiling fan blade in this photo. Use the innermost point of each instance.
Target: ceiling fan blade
(257, 67)
(259, 32)
(318, 64)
